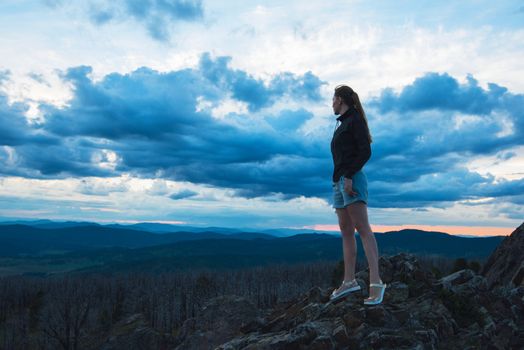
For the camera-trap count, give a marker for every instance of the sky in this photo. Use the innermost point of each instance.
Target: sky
(218, 113)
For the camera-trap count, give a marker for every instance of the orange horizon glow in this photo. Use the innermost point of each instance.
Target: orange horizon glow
(476, 231)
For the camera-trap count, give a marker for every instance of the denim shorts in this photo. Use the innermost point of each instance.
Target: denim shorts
(341, 198)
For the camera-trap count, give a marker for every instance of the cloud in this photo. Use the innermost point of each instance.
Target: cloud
(95, 187)
(443, 189)
(100, 16)
(54, 3)
(182, 194)
(152, 124)
(442, 92)
(143, 104)
(30, 150)
(419, 158)
(518, 199)
(254, 92)
(155, 15)
(506, 155)
(439, 189)
(289, 119)
(13, 124)
(426, 133)
(502, 189)
(39, 78)
(146, 122)
(4, 75)
(175, 9)
(14, 127)
(435, 123)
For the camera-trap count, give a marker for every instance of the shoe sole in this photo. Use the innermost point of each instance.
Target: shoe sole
(344, 293)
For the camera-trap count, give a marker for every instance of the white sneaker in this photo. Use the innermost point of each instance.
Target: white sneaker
(379, 299)
(345, 288)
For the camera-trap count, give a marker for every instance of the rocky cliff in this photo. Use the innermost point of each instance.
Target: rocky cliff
(463, 310)
(505, 266)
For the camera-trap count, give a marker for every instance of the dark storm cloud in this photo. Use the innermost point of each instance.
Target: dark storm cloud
(289, 119)
(442, 92)
(150, 120)
(13, 124)
(28, 150)
(253, 91)
(435, 125)
(455, 185)
(15, 130)
(155, 125)
(143, 103)
(427, 132)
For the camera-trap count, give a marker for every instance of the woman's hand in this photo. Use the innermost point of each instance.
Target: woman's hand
(348, 186)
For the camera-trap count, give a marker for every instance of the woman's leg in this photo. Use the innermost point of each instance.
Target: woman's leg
(359, 215)
(349, 244)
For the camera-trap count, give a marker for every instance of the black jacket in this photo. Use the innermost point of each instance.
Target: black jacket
(350, 146)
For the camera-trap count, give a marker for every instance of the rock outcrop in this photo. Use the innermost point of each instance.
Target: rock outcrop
(419, 311)
(133, 332)
(219, 320)
(463, 310)
(506, 264)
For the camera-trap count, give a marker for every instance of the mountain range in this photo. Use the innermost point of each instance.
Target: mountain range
(44, 247)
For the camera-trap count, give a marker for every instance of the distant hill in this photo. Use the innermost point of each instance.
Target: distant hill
(27, 249)
(23, 239)
(426, 242)
(168, 228)
(143, 226)
(27, 240)
(48, 224)
(154, 227)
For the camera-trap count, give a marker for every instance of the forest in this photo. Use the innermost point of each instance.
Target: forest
(77, 311)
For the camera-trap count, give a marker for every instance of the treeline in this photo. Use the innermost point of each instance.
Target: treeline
(78, 311)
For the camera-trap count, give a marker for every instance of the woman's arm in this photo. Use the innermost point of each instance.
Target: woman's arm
(360, 133)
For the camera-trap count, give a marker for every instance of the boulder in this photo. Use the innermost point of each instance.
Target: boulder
(419, 311)
(133, 332)
(463, 310)
(506, 264)
(220, 319)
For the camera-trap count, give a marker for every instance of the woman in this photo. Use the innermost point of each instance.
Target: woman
(350, 148)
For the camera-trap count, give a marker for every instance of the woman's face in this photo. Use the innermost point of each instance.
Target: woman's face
(337, 104)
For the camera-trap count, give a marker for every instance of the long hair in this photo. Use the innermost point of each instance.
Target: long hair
(351, 99)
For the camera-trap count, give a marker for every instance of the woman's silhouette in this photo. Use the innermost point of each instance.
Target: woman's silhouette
(350, 148)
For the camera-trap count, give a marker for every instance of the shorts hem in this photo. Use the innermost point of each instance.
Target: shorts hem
(346, 204)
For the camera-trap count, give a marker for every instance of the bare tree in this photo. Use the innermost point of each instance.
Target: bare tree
(66, 312)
